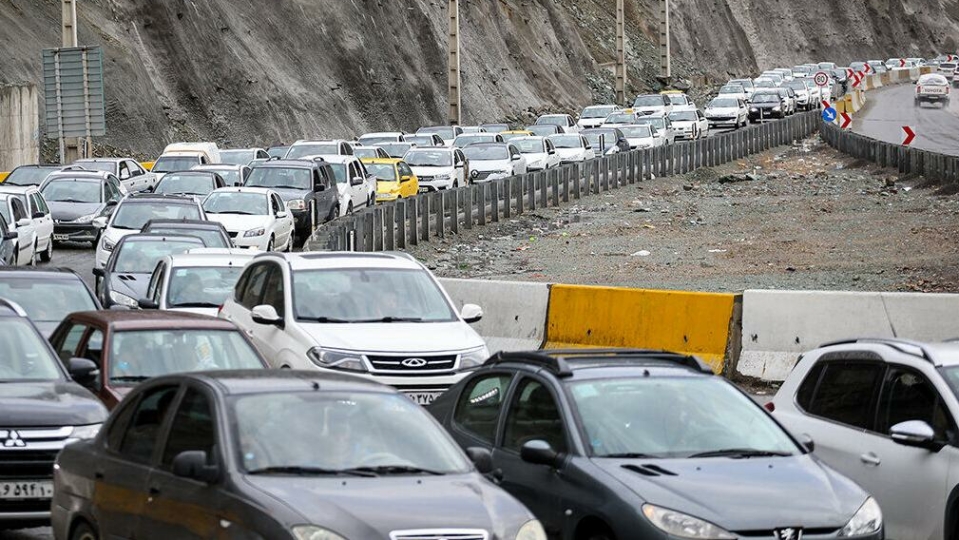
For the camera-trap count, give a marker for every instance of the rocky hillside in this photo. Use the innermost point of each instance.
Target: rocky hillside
(245, 72)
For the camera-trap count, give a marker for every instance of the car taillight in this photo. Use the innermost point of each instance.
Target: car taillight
(769, 406)
(918, 89)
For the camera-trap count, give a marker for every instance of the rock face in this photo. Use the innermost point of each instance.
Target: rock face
(244, 72)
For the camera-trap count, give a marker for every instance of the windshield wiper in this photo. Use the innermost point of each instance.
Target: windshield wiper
(312, 471)
(123, 227)
(628, 455)
(740, 453)
(195, 305)
(326, 320)
(129, 378)
(301, 188)
(238, 212)
(392, 320)
(73, 201)
(396, 469)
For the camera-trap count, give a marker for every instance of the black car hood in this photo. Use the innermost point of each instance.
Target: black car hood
(51, 403)
(132, 285)
(64, 211)
(766, 105)
(370, 507)
(745, 494)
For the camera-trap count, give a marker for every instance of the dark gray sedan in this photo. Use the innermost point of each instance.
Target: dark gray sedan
(278, 455)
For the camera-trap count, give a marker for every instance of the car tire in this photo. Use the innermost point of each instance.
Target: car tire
(84, 531)
(47, 254)
(456, 184)
(270, 245)
(597, 533)
(33, 258)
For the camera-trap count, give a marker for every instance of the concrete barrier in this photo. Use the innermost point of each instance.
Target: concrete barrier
(914, 74)
(778, 326)
(688, 322)
(514, 312)
(3, 176)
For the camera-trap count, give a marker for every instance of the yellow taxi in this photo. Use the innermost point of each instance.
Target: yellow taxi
(516, 133)
(394, 178)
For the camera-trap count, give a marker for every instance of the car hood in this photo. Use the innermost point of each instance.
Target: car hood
(52, 403)
(395, 337)
(369, 507)
(64, 211)
(765, 105)
(212, 312)
(129, 284)
(431, 171)
(570, 152)
(114, 235)
(683, 124)
(291, 194)
(746, 494)
(723, 110)
(491, 164)
(239, 222)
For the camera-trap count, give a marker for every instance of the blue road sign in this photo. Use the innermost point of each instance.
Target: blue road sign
(829, 114)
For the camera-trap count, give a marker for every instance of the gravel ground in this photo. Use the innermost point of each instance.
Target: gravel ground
(797, 217)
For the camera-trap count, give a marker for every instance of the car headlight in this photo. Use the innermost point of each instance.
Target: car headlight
(342, 360)
(506, 171)
(474, 357)
(312, 532)
(682, 525)
(753, 109)
(296, 204)
(868, 519)
(254, 232)
(81, 433)
(122, 299)
(442, 177)
(108, 244)
(531, 530)
(775, 108)
(87, 219)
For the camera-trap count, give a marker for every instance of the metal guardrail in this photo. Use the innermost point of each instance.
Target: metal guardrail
(407, 222)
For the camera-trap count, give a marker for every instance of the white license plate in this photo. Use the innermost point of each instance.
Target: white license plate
(30, 489)
(422, 398)
(60, 237)
(424, 189)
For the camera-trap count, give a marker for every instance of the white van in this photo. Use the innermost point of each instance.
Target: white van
(183, 156)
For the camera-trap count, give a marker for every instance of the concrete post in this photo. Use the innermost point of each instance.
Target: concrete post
(19, 126)
(620, 52)
(665, 71)
(71, 149)
(454, 63)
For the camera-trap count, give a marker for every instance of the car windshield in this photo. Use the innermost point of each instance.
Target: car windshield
(732, 89)
(369, 140)
(368, 295)
(141, 256)
(496, 128)
(673, 417)
(683, 116)
(237, 202)
(529, 146)
(637, 132)
(446, 133)
(236, 157)
(766, 98)
(597, 111)
(138, 354)
(648, 101)
(330, 432)
(551, 120)
(187, 184)
(543, 130)
(106, 166)
(797, 85)
(566, 141)
(211, 238)
(280, 178)
(723, 103)
(621, 118)
(933, 80)
(593, 139)
(368, 152)
(421, 140)
(658, 122)
(486, 152)
(134, 214)
(29, 176)
(71, 190)
(230, 176)
(175, 163)
(677, 99)
(802, 69)
(339, 172)
(47, 300)
(746, 83)
(312, 149)
(24, 354)
(384, 172)
(951, 374)
(201, 286)
(395, 149)
(766, 83)
(277, 151)
(947, 65)
(429, 158)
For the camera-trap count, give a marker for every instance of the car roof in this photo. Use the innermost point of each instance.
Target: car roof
(278, 381)
(158, 197)
(344, 158)
(382, 134)
(564, 363)
(37, 273)
(344, 259)
(381, 160)
(289, 163)
(945, 353)
(242, 189)
(129, 319)
(185, 224)
(211, 259)
(17, 190)
(99, 176)
(135, 237)
(216, 167)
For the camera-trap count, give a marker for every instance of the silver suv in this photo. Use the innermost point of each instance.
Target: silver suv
(883, 412)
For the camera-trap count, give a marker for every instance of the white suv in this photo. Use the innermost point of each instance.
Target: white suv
(883, 412)
(382, 316)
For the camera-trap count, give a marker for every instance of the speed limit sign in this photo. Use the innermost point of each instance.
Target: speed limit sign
(821, 78)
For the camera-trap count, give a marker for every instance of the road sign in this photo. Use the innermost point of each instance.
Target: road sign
(909, 135)
(867, 69)
(825, 104)
(821, 78)
(856, 80)
(902, 62)
(829, 114)
(951, 58)
(73, 92)
(846, 120)
(849, 73)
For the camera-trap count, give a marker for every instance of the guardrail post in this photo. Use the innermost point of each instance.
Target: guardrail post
(455, 200)
(378, 228)
(520, 191)
(567, 170)
(438, 203)
(496, 189)
(541, 185)
(468, 200)
(365, 242)
(389, 227)
(400, 222)
(509, 186)
(413, 208)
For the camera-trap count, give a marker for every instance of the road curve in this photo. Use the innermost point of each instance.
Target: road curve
(888, 109)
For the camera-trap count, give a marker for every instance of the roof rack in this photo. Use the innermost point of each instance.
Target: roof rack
(558, 360)
(905, 346)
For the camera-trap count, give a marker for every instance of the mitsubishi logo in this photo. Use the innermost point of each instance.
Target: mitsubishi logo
(13, 440)
(414, 362)
(789, 533)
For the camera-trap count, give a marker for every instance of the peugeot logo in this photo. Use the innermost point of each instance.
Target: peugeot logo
(13, 440)
(414, 362)
(789, 533)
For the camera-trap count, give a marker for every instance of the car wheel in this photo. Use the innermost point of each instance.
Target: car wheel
(269, 245)
(47, 254)
(456, 184)
(33, 258)
(83, 531)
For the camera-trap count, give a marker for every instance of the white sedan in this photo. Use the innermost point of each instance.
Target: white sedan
(642, 136)
(254, 217)
(538, 151)
(572, 147)
(690, 125)
(727, 111)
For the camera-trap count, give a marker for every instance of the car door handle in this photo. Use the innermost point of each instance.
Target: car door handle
(153, 491)
(870, 458)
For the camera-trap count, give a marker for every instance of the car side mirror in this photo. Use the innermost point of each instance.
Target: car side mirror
(806, 441)
(147, 303)
(516, 157)
(459, 165)
(11, 235)
(192, 464)
(357, 180)
(98, 272)
(111, 202)
(267, 315)
(482, 458)
(38, 214)
(551, 151)
(539, 452)
(100, 223)
(282, 214)
(915, 433)
(471, 313)
(319, 187)
(84, 371)
(405, 178)
(25, 222)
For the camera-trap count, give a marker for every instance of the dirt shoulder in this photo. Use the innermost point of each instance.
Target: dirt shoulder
(797, 217)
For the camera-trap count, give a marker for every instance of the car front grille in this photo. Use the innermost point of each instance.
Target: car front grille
(10, 507)
(426, 178)
(32, 464)
(482, 175)
(412, 363)
(440, 534)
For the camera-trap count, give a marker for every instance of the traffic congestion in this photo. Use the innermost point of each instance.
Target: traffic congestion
(217, 381)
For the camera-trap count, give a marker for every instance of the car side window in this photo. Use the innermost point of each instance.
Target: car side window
(908, 395)
(192, 429)
(143, 432)
(135, 168)
(123, 170)
(251, 292)
(156, 280)
(405, 169)
(273, 291)
(478, 408)
(533, 415)
(93, 347)
(67, 348)
(19, 212)
(37, 202)
(846, 392)
(118, 427)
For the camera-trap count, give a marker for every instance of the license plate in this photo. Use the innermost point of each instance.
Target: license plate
(60, 237)
(422, 398)
(18, 491)
(424, 189)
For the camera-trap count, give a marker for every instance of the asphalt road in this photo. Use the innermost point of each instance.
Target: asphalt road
(888, 109)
